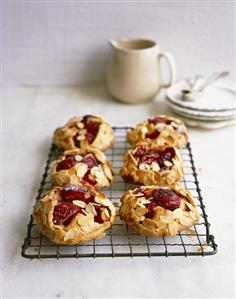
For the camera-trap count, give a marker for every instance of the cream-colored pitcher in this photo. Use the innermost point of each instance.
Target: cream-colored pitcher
(134, 72)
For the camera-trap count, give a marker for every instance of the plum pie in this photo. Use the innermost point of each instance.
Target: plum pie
(73, 214)
(152, 164)
(78, 166)
(159, 130)
(159, 211)
(84, 132)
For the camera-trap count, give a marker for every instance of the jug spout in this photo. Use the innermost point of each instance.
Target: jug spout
(127, 44)
(119, 44)
(112, 43)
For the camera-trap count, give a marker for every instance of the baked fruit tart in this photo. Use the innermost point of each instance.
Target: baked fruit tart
(152, 164)
(159, 130)
(82, 166)
(83, 132)
(159, 211)
(73, 214)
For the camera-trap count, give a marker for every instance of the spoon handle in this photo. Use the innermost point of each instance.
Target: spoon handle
(213, 78)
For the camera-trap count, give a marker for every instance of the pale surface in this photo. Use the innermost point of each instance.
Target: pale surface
(31, 116)
(61, 43)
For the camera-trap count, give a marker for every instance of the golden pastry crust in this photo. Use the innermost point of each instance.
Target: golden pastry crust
(84, 225)
(135, 207)
(78, 133)
(160, 130)
(146, 169)
(88, 166)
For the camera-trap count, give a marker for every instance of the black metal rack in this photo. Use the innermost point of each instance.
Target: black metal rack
(120, 241)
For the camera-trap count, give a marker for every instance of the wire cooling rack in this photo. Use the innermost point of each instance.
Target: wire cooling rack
(120, 241)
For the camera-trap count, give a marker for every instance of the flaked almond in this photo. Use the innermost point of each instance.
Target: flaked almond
(140, 211)
(80, 137)
(139, 204)
(182, 204)
(103, 201)
(167, 218)
(182, 192)
(189, 206)
(81, 169)
(105, 215)
(178, 213)
(113, 210)
(70, 234)
(167, 163)
(155, 166)
(149, 223)
(100, 156)
(108, 173)
(79, 203)
(80, 125)
(130, 154)
(90, 209)
(85, 220)
(73, 180)
(173, 228)
(144, 130)
(78, 158)
(144, 201)
(193, 215)
(82, 132)
(101, 181)
(185, 221)
(90, 227)
(94, 170)
(160, 126)
(174, 125)
(138, 195)
(99, 174)
(144, 166)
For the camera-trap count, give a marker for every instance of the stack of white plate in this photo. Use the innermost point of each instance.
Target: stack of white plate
(214, 108)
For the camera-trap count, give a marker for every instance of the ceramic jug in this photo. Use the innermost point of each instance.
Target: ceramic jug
(134, 71)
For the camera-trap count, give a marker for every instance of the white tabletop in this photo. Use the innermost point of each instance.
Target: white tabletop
(31, 115)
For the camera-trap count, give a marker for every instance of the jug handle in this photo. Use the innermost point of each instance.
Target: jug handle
(172, 68)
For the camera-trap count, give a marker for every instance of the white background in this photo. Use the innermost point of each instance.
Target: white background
(65, 42)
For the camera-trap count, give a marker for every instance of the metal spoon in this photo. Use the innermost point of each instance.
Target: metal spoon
(192, 94)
